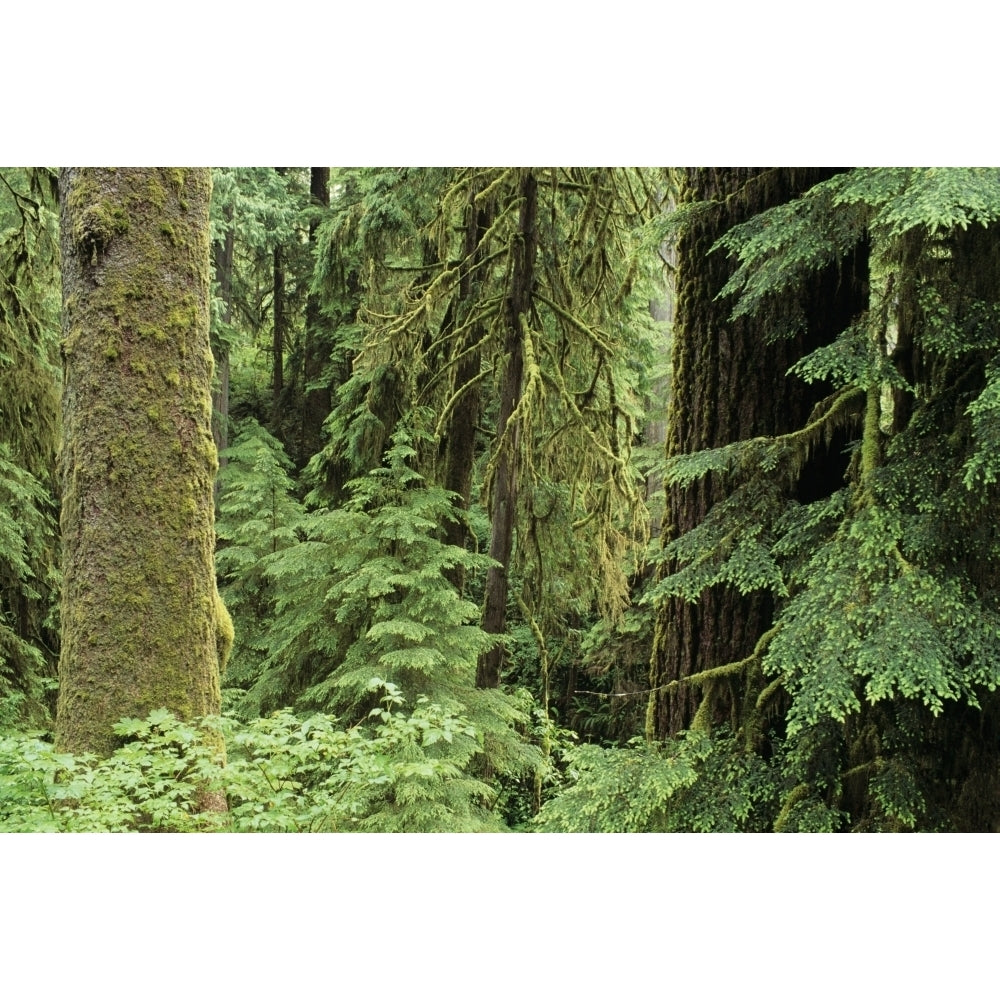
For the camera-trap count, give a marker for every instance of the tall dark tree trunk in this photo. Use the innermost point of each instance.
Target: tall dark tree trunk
(142, 623)
(316, 398)
(504, 493)
(278, 333)
(729, 384)
(222, 255)
(461, 440)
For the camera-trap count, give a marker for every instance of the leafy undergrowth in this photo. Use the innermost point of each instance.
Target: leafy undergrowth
(402, 771)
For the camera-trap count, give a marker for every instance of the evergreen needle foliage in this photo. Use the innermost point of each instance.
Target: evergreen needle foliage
(328, 599)
(27, 540)
(358, 591)
(886, 635)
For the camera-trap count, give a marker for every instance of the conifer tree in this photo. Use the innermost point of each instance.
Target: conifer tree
(315, 391)
(142, 624)
(871, 701)
(516, 310)
(730, 384)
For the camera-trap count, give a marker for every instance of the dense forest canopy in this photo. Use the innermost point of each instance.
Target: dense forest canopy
(557, 499)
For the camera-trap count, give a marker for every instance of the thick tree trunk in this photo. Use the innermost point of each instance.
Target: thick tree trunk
(142, 623)
(729, 384)
(504, 493)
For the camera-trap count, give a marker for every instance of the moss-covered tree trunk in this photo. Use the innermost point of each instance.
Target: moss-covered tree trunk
(142, 624)
(729, 384)
(504, 492)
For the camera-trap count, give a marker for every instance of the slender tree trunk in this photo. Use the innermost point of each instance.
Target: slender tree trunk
(278, 337)
(461, 445)
(142, 623)
(504, 493)
(317, 399)
(729, 384)
(278, 334)
(223, 260)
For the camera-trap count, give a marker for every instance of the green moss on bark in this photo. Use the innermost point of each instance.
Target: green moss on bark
(141, 617)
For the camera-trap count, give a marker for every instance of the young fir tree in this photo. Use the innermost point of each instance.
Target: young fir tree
(142, 623)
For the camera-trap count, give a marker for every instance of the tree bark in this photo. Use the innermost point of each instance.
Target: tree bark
(278, 334)
(461, 443)
(504, 493)
(729, 384)
(317, 400)
(223, 261)
(278, 339)
(655, 431)
(142, 623)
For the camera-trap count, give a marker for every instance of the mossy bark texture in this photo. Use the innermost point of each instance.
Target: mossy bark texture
(142, 623)
(504, 499)
(461, 438)
(729, 384)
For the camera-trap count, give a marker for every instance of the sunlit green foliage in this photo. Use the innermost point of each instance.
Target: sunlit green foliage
(356, 591)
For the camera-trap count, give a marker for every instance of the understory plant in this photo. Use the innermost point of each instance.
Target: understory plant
(398, 771)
